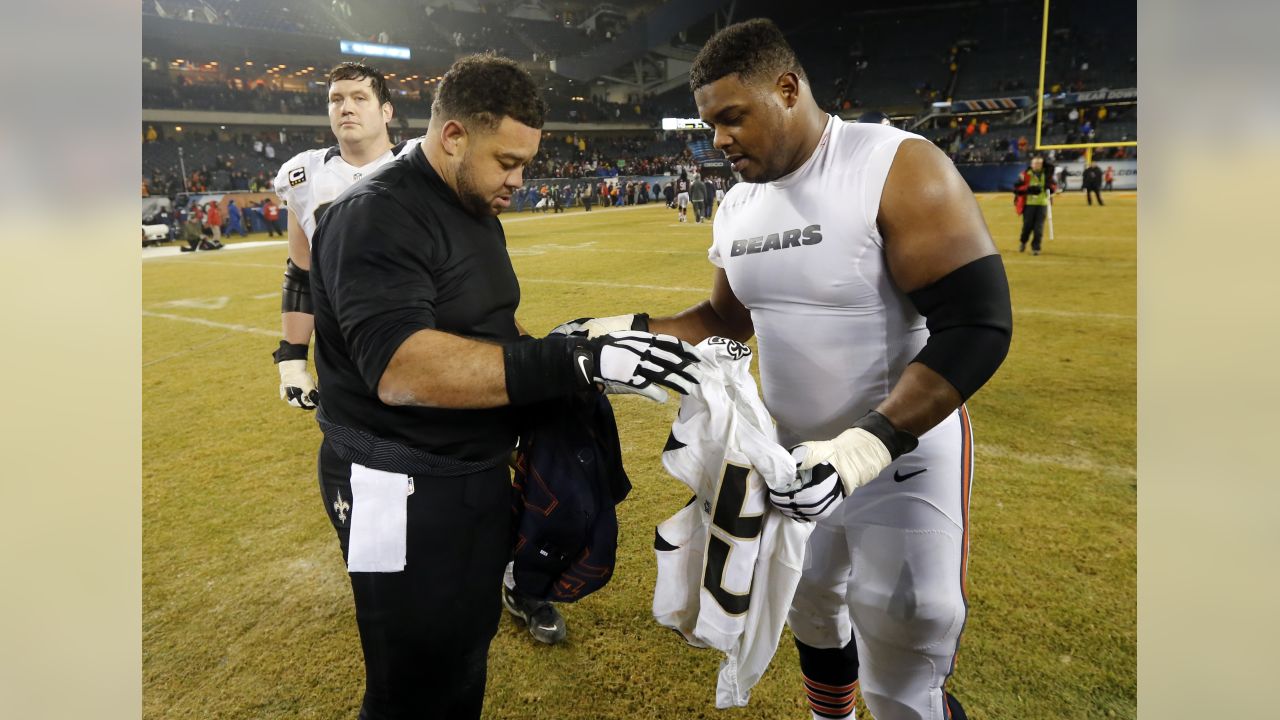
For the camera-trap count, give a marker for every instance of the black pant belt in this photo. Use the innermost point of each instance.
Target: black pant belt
(358, 446)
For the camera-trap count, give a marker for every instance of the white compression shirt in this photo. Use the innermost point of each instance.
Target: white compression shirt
(804, 255)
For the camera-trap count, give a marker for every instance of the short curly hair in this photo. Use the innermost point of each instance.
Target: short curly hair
(752, 49)
(486, 88)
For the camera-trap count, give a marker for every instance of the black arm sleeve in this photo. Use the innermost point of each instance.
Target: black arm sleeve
(296, 291)
(970, 323)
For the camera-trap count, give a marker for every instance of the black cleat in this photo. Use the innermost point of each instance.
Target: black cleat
(546, 625)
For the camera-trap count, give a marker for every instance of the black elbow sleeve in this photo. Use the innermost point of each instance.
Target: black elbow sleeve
(296, 292)
(970, 323)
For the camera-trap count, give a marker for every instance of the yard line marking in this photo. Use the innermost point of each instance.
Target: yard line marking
(1070, 462)
(216, 303)
(551, 216)
(265, 296)
(210, 323)
(1074, 313)
(544, 248)
(598, 283)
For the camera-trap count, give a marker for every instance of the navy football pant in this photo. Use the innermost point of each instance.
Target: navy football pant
(426, 630)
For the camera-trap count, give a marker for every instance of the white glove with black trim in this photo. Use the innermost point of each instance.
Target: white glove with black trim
(828, 471)
(296, 386)
(595, 327)
(637, 362)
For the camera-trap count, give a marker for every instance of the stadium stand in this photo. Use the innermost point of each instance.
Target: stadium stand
(964, 75)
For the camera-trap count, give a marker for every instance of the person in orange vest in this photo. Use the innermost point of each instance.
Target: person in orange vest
(1031, 200)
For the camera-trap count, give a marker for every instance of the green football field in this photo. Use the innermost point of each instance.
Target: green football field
(247, 611)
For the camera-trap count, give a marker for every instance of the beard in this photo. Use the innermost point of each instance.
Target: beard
(472, 198)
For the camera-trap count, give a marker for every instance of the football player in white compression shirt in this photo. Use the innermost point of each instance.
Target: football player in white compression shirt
(859, 257)
(359, 110)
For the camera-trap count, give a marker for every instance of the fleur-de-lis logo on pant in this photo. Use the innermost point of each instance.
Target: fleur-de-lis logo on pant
(341, 507)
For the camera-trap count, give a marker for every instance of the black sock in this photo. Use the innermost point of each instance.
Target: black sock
(830, 678)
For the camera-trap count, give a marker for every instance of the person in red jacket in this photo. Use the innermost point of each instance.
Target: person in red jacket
(271, 214)
(213, 217)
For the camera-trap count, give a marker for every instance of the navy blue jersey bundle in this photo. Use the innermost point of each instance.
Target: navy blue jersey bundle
(568, 478)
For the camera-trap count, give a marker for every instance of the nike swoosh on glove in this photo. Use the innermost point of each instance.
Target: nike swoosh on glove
(639, 362)
(296, 386)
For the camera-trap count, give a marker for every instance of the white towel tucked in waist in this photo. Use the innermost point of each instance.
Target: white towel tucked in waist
(379, 510)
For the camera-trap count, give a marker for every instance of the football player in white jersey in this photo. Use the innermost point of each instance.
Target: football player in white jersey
(877, 317)
(359, 111)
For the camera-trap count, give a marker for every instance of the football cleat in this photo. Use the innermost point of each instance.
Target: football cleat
(545, 622)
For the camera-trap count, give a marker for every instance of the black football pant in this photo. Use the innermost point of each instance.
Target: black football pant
(1033, 222)
(426, 630)
(1090, 192)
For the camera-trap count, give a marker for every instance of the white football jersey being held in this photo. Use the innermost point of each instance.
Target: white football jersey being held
(312, 179)
(804, 255)
(729, 562)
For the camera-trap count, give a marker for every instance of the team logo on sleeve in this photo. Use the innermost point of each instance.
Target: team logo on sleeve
(297, 176)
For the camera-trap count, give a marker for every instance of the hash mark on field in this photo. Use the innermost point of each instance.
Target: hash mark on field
(1069, 462)
(210, 323)
(544, 248)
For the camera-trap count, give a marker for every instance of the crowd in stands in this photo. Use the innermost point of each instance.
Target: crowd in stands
(233, 96)
(441, 29)
(411, 99)
(216, 161)
(221, 161)
(989, 139)
(967, 50)
(576, 156)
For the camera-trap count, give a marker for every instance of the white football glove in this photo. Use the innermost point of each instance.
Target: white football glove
(816, 493)
(595, 327)
(828, 471)
(637, 362)
(296, 386)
